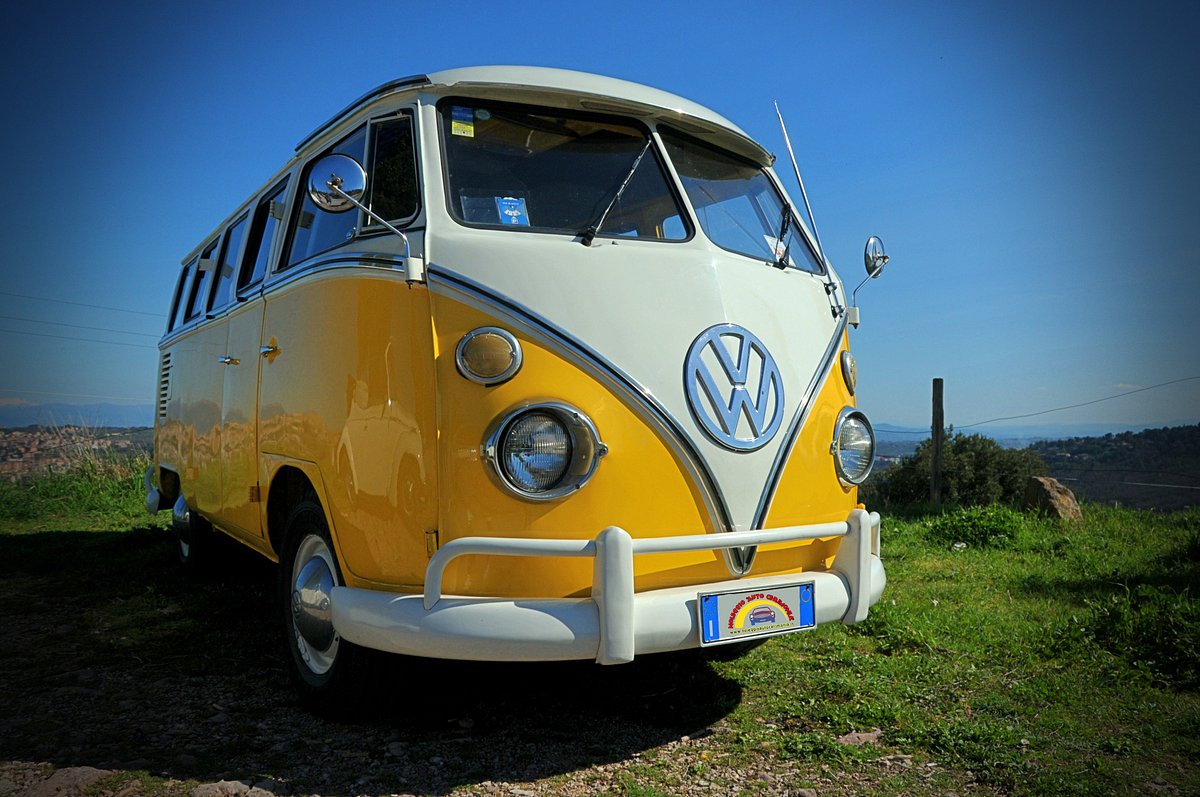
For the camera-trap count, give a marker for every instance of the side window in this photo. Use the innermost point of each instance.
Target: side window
(262, 232)
(204, 271)
(181, 294)
(314, 230)
(393, 192)
(227, 264)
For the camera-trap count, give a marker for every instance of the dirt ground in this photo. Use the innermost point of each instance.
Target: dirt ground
(117, 662)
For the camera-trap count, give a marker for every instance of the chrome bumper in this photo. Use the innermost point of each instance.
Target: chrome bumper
(613, 625)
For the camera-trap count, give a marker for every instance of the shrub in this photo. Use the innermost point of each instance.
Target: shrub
(980, 526)
(976, 471)
(1156, 629)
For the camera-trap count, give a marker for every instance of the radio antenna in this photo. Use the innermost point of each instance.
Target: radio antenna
(830, 285)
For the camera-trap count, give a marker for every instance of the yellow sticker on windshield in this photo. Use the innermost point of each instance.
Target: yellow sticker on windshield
(462, 122)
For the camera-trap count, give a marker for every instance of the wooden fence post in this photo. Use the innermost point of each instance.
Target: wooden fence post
(939, 425)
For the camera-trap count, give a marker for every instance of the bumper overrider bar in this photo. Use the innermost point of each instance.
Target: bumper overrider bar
(615, 623)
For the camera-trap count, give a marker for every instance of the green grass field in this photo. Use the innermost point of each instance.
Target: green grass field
(1038, 659)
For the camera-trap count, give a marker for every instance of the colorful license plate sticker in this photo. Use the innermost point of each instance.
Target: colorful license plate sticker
(742, 614)
(462, 121)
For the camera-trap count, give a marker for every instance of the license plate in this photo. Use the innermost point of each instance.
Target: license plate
(744, 614)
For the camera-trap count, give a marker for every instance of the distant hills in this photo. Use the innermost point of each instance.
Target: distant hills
(15, 416)
(1157, 468)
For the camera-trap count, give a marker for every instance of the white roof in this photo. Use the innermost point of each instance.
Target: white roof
(623, 94)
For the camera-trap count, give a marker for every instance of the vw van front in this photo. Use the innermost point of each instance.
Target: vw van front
(514, 363)
(647, 438)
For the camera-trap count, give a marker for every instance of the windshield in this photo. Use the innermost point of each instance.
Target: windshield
(520, 167)
(737, 204)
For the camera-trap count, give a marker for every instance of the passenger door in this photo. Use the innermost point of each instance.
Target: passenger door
(241, 476)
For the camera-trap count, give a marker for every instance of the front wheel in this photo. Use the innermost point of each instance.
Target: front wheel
(331, 674)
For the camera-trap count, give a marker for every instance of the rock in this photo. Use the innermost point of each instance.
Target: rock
(222, 788)
(859, 739)
(805, 793)
(1048, 496)
(68, 782)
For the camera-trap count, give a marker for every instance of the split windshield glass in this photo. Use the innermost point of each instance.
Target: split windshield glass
(525, 168)
(737, 205)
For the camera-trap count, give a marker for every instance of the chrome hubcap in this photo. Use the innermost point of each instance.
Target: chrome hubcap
(313, 580)
(310, 603)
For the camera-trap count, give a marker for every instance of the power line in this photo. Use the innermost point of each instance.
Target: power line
(85, 340)
(1054, 409)
(73, 395)
(1081, 404)
(79, 326)
(81, 304)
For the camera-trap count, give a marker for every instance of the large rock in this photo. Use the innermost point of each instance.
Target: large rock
(1049, 497)
(69, 782)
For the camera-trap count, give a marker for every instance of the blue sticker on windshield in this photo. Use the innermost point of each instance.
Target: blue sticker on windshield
(512, 211)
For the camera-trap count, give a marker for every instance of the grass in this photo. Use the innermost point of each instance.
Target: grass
(1040, 658)
(104, 491)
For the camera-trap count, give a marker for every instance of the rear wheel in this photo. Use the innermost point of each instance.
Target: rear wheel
(194, 537)
(331, 674)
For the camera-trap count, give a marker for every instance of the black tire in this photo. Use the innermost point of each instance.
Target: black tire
(333, 677)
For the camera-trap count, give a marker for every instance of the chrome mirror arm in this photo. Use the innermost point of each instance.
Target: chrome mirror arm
(414, 271)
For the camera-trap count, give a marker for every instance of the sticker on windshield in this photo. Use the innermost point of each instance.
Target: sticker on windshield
(462, 122)
(512, 211)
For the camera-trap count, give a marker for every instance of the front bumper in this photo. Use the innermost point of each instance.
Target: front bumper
(613, 625)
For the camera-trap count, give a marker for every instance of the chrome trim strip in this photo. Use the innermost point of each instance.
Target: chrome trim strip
(368, 260)
(393, 85)
(660, 419)
(803, 410)
(375, 261)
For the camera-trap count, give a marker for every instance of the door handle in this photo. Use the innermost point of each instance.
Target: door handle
(225, 359)
(267, 351)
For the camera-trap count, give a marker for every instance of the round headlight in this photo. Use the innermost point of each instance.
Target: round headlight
(543, 451)
(535, 452)
(853, 447)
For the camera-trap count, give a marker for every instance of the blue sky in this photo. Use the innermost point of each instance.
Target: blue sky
(1031, 167)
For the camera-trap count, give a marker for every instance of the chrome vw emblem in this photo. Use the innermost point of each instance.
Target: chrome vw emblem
(733, 385)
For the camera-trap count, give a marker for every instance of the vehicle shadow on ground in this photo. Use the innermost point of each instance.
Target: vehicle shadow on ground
(117, 660)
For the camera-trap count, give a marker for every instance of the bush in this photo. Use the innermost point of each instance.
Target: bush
(1156, 629)
(976, 471)
(980, 526)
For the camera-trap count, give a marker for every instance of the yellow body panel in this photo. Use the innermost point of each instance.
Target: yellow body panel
(809, 490)
(351, 390)
(639, 486)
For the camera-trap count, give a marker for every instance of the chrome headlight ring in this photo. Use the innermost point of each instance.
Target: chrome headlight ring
(584, 450)
(853, 447)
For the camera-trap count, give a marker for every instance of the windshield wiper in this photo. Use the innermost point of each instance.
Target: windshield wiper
(589, 234)
(781, 258)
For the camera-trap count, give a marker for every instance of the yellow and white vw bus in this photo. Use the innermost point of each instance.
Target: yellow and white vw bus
(512, 364)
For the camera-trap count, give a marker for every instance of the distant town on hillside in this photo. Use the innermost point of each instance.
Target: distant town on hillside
(1153, 468)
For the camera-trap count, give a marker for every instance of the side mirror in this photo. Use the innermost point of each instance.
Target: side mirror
(874, 257)
(336, 183)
